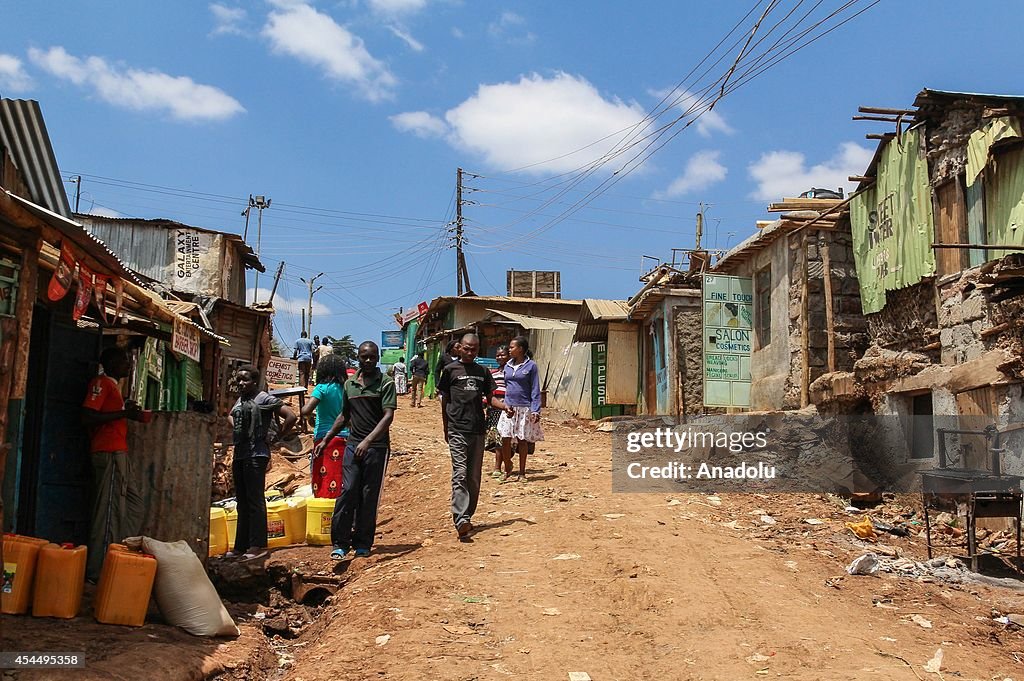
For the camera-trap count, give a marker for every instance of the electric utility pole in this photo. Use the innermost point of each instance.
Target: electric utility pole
(77, 179)
(259, 202)
(461, 271)
(309, 317)
(700, 225)
(277, 280)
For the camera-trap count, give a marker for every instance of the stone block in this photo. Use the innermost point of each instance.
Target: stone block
(948, 356)
(974, 351)
(946, 338)
(973, 308)
(962, 335)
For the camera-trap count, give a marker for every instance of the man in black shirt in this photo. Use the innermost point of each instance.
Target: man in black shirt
(463, 387)
(418, 367)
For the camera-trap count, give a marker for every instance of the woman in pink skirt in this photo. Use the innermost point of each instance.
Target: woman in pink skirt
(521, 421)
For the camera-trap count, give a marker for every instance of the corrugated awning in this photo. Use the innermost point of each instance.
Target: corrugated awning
(594, 317)
(98, 251)
(528, 322)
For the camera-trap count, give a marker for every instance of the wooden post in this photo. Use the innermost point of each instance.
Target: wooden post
(14, 348)
(830, 325)
(805, 343)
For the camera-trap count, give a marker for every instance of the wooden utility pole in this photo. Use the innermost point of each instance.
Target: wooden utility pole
(277, 280)
(700, 226)
(461, 271)
(309, 316)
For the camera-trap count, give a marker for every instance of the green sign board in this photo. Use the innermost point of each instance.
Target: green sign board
(599, 373)
(728, 340)
(391, 355)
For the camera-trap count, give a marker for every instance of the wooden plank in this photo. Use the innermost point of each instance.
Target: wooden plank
(884, 119)
(623, 365)
(979, 372)
(890, 112)
(826, 262)
(950, 227)
(805, 342)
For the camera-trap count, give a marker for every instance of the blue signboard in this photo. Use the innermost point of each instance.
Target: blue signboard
(391, 339)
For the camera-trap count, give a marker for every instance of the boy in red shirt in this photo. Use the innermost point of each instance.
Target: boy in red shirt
(118, 509)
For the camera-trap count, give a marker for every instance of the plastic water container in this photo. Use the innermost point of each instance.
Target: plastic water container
(126, 583)
(218, 531)
(318, 521)
(295, 519)
(232, 520)
(277, 531)
(60, 578)
(20, 555)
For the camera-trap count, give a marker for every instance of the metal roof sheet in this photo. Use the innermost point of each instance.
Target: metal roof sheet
(23, 134)
(81, 237)
(529, 322)
(152, 250)
(607, 310)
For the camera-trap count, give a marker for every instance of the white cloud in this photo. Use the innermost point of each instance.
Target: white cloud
(457, 33)
(511, 28)
(316, 39)
(397, 6)
(139, 90)
(402, 34)
(293, 306)
(702, 171)
(783, 173)
(228, 19)
(420, 123)
(531, 121)
(12, 74)
(690, 104)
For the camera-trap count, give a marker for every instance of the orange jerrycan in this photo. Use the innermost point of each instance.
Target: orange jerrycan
(126, 583)
(20, 555)
(60, 577)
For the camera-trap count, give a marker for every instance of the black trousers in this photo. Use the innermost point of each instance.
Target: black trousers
(250, 483)
(355, 512)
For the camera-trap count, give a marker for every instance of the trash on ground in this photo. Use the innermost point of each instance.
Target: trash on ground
(867, 564)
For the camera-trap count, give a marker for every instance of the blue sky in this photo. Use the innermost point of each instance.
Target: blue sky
(354, 115)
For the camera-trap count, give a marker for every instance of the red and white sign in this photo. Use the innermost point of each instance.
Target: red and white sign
(413, 313)
(282, 371)
(185, 340)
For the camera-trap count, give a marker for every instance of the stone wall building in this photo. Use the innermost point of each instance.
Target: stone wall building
(937, 229)
(807, 318)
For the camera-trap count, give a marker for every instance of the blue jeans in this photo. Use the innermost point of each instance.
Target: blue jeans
(354, 523)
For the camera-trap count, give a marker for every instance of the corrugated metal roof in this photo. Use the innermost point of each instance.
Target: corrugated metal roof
(529, 322)
(607, 310)
(76, 233)
(23, 134)
(924, 95)
(149, 247)
(594, 317)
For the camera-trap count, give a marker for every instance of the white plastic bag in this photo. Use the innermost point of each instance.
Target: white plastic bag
(183, 590)
(867, 564)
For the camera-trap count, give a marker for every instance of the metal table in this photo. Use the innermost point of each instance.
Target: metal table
(984, 494)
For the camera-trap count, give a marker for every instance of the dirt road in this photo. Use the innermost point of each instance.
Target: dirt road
(565, 576)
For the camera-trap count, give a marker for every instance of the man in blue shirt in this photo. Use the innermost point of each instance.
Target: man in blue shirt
(303, 352)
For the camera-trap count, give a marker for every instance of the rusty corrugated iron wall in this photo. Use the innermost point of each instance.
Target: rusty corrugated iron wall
(174, 470)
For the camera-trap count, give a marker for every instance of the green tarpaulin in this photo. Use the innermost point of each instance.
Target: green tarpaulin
(1005, 127)
(892, 223)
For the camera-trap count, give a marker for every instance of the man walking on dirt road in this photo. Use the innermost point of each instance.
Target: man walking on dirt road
(463, 387)
(369, 408)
